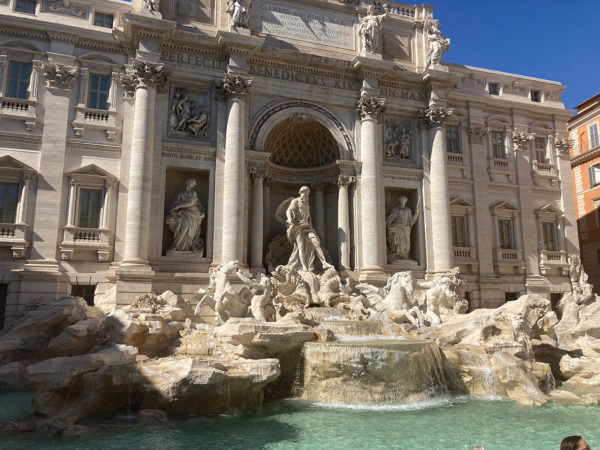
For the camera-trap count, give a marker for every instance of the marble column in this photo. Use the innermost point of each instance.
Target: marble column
(256, 229)
(344, 183)
(319, 211)
(267, 208)
(435, 116)
(370, 110)
(141, 80)
(72, 200)
(236, 89)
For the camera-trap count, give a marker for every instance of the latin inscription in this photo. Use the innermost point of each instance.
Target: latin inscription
(302, 25)
(402, 93)
(299, 77)
(194, 60)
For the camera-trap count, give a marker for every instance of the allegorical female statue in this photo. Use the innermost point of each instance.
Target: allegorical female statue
(185, 218)
(399, 225)
(438, 42)
(370, 30)
(238, 14)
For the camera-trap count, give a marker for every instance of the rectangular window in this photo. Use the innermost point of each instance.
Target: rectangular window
(594, 175)
(103, 20)
(549, 232)
(498, 144)
(598, 255)
(18, 80)
(540, 150)
(9, 198)
(90, 203)
(494, 88)
(98, 91)
(594, 139)
(511, 296)
(505, 233)
(85, 291)
(536, 96)
(459, 231)
(452, 139)
(26, 6)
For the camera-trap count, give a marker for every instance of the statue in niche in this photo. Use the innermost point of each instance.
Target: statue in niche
(238, 14)
(369, 30)
(399, 225)
(398, 141)
(438, 42)
(188, 117)
(185, 218)
(300, 233)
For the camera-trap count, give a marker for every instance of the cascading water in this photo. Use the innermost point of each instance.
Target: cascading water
(366, 367)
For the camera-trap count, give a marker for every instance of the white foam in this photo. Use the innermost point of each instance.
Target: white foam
(376, 338)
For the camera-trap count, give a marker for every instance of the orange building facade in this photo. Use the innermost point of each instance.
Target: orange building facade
(584, 131)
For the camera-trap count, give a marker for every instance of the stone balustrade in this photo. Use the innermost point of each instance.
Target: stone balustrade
(82, 239)
(13, 235)
(18, 109)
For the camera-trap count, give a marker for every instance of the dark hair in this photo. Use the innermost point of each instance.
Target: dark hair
(570, 443)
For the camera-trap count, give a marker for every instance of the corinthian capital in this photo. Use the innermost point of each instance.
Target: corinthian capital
(141, 73)
(435, 115)
(370, 107)
(562, 145)
(58, 76)
(520, 140)
(234, 86)
(345, 180)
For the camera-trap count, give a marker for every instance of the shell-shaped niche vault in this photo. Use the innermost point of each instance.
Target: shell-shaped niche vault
(301, 143)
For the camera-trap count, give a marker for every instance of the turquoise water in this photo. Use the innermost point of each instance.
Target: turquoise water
(459, 423)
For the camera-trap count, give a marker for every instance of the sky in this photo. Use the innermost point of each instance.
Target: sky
(550, 39)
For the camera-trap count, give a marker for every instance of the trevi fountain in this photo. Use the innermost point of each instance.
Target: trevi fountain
(300, 350)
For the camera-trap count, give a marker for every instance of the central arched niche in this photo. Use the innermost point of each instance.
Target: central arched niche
(303, 151)
(301, 142)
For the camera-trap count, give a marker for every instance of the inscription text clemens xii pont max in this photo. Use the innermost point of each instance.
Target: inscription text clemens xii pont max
(302, 25)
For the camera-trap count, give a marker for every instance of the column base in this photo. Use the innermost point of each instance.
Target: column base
(373, 275)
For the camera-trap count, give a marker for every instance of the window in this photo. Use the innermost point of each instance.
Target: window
(594, 140)
(103, 20)
(90, 205)
(536, 96)
(549, 232)
(18, 80)
(26, 6)
(540, 150)
(594, 174)
(511, 296)
(452, 139)
(3, 295)
(9, 199)
(85, 291)
(505, 233)
(494, 88)
(598, 255)
(498, 144)
(459, 231)
(98, 91)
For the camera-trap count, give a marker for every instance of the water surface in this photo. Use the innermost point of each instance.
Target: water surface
(453, 423)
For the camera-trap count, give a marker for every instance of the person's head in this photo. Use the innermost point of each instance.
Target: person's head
(574, 443)
(403, 199)
(190, 184)
(304, 191)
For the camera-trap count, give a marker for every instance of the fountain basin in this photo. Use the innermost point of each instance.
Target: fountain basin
(375, 372)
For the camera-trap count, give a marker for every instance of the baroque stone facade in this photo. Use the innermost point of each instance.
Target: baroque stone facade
(116, 107)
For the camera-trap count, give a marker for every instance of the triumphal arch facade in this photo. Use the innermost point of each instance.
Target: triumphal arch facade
(144, 143)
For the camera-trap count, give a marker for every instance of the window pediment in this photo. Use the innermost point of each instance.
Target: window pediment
(14, 169)
(549, 211)
(92, 174)
(504, 209)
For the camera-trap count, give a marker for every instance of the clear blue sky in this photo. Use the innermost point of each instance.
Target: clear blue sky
(551, 39)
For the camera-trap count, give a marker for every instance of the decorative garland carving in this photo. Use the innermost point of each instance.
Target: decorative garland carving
(520, 140)
(477, 134)
(562, 145)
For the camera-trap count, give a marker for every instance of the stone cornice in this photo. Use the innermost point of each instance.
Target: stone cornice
(345, 75)
(401, 173)
(76, 145)
(15, 138)
(94, 44)
(181, 151)
(585, 157)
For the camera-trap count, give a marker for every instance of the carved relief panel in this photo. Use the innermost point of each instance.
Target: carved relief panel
(189, 113)
(399, 140)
